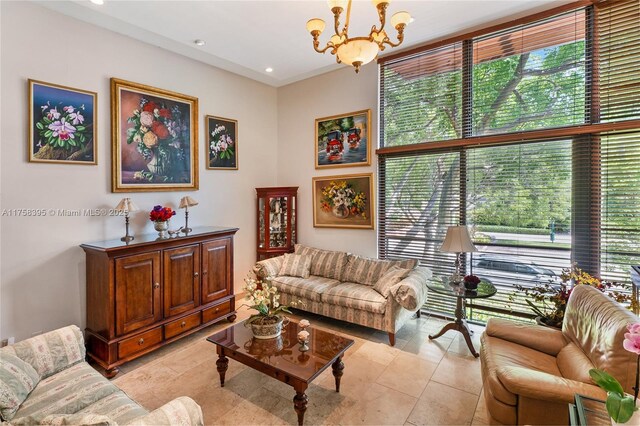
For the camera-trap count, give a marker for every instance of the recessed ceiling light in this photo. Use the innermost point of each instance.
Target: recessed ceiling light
(199, 42)
(99, 2)
(269, 69)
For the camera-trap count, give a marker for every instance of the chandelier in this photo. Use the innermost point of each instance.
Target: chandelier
(357, 51)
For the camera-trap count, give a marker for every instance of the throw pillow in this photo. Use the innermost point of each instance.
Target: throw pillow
(390, 278)
(324, 263)
(17, 380)
(295, 265)
(363, 270)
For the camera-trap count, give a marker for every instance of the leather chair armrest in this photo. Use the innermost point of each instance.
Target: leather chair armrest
(543, 339)
(544, 386)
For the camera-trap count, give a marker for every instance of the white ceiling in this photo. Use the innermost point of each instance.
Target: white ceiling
(247, 36)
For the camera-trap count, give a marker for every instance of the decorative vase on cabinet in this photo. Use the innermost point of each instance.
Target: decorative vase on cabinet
(277, 222)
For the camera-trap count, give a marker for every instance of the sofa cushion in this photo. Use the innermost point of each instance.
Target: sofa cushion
(17, 380)
(66, 392)
(499, 354)
(356, 296)
(307, 288)
(51, 352)
(324, 263)
(390, 278)
(364, 270)
(295, 265)
(66, 419)
(574, 364)
(117, 406)
(411, 292)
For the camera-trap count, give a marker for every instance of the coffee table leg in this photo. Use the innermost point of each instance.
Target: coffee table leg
(300, 403)
(338, 371)
(222, 363)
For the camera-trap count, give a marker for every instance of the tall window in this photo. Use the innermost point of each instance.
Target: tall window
(495, 132)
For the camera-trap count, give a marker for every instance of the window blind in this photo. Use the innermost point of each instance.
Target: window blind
(618, 49)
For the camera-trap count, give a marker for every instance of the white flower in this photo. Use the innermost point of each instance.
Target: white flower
(53, 114)
(137, 138)
(69, 108)
(76, 117)
(136, 112)
(146, 118)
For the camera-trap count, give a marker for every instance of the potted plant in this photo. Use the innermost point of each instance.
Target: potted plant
(264, 298)
(620, 406)
(160, 217)
(471, 282)
(549, 300)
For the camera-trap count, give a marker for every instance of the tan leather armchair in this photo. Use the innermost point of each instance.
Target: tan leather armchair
(530, 373)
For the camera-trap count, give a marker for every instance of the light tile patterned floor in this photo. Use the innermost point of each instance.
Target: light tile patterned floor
(417, 382)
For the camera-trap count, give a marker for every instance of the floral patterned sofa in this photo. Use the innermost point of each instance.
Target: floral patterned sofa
(45, 380)
(381, 294)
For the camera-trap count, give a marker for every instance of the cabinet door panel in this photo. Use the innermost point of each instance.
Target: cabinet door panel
(181, 279)
(216, 269)
(138, 302)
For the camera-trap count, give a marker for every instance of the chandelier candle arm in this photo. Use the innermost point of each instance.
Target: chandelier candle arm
(357, 51)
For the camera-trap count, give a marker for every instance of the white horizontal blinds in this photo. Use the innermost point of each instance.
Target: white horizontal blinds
(618, 47)
(419, 200)
(620, 217)
(519, 206)
(421, 97)
(531, 77)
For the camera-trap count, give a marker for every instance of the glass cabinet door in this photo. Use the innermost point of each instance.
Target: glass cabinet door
(278, 207)
(262, 231)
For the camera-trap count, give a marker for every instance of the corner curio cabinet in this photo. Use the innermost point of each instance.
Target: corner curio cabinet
(277, 222)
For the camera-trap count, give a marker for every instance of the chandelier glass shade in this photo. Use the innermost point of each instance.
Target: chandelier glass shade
(357, 51)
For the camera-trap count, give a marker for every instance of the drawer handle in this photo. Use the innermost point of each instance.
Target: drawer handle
(156, 285)
(196, 274)
(183, 324)
(141, 341)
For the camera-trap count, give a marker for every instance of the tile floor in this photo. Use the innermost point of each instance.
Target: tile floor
(417, 382)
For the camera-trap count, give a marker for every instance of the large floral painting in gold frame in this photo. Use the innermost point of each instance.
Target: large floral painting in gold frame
(343, 201)
(154, 138)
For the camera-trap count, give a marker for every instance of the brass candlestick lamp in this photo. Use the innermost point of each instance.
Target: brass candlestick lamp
(126, 205)
(185, 203)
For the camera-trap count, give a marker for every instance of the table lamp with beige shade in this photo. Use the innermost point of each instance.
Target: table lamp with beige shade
(185, 203)
(127, 206)
(457, 241)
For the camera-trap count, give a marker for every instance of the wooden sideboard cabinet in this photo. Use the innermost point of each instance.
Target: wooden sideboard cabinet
(152, 291)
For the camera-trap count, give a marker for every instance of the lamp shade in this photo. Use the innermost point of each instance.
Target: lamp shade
(342, 4)
(315, 24)
(361, 51)
(457, 240)
(126, 205)
(400, 18)
(187, 202)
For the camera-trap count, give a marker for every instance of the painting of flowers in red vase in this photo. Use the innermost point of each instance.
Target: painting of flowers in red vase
(62, 124)
(155, 138)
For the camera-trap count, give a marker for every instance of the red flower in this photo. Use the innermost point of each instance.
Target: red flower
(165, 113)
(149, 106)
(159, 214)
(472, 279)
(160, 130)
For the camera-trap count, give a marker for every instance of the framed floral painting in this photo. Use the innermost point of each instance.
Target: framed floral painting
(62, 124)
(343, 140)
(154, 138)
(343, 201)
(222, 143)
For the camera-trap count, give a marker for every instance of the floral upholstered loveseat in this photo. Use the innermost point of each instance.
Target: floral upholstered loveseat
(381, 294)
(45, 380)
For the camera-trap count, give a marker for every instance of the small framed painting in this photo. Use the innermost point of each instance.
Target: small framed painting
(154, 138)
(343, 201)
(343, 140)
(222, 143)
(62, 124)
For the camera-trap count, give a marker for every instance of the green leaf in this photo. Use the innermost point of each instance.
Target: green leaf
(620, 408)
(80, 128)
(606, 381)
(46, 120)
(39, 125)
(48, 133)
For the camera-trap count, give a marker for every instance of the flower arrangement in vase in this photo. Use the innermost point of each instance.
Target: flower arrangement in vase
(621, 406)
(263, 297)
(471, 282)
(342, 200)
(160, 217)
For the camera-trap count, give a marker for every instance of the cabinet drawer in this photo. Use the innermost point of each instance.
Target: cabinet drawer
(216, 311)
(139, 342)
(181, 325)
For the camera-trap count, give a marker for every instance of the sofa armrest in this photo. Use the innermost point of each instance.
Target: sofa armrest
(411, 292)
(180, 411)
(268, 267)
(544, 339)
(543, 386)
(51, 352)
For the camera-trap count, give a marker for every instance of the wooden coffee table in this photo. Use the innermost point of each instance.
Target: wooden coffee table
(281, 357)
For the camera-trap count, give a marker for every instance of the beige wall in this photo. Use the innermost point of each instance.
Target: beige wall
(42, 281)
(299, 104)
